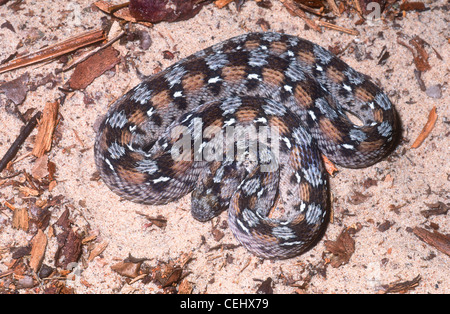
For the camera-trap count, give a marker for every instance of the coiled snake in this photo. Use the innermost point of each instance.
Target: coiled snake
(288, 89)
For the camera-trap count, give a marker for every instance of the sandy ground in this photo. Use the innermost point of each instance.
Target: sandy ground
(408, 180)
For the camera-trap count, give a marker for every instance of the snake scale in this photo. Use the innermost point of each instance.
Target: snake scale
(286, 96)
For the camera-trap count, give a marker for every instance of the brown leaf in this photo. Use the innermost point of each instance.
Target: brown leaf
(94, 66)
(40, 168)
(436, 239)
(438, 208)
(341, 249)
(39, 244)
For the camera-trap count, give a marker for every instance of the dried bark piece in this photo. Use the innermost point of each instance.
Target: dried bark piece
(436, 239)
(432, 117)
(341, 249)
(88, 70)
(39, 244)
(165, 10)
(20, 219)
(47, 126)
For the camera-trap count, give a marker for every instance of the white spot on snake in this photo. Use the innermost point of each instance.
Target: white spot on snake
(229, 122)
(346, 87)
(313, 116)
(288, 143)
(150, 112)
(348, 146)
(288, 88)
(161, 179)
(109, 164)
(178, 94)
(214, 80)
(319, 68)
(254, 76)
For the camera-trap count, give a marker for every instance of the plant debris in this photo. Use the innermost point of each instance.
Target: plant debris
(436, 239)
(343, 248)
(432, 117)
(47, 126)
(93, 67)
(403, 286)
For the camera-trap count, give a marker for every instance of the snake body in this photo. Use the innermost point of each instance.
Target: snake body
(277, 203)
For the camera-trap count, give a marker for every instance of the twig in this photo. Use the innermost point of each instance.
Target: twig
(338, 28)
(12, 151)
(295, 10)
(56, 50)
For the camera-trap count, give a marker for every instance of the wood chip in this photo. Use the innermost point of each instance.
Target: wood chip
(39, 244)
(20, 219)
(98, 250)
(46, 128)
(432, 117)
(436, 239)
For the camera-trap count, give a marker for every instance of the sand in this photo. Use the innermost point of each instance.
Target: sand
(408, 180)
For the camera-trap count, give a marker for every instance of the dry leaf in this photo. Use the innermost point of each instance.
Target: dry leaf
(127, 269)
(341, 249)
(39, 244)
(165, 10)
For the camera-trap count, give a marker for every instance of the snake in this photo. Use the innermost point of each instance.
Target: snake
(243, 126)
